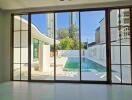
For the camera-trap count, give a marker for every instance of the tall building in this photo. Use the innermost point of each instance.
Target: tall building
(120, 20)
(125, 22)
(97, 35)
(100, 32)
(50, 25)
(73, 18)
(50, 22)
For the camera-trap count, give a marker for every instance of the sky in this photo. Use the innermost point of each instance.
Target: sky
(89, 23)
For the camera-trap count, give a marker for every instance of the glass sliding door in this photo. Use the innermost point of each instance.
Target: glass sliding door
(72, 46)
(59, 49)
(120, 45)
(67, 46)
(93, 45)
(42, 46)
(20, 47)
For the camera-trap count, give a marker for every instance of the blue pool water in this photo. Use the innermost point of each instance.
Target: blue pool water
(87, 65)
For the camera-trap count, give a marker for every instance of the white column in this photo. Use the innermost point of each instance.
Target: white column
(44, 57)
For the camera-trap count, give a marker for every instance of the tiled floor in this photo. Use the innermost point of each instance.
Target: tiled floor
(63, 91)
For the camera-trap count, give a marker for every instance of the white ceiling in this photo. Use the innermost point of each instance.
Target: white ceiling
(22, 4)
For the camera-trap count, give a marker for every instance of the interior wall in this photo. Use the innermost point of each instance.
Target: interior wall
(7, 45)
(1, 74)
(4, 46)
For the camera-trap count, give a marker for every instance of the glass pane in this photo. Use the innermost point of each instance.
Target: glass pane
(24, 39)
(16, 23)
(67, 46)
(17, 39)
(115, 55)
(42, 47)
(125, 55)
(115, 40)
(120, 54)
(24, 55)
(24, 71)
(24, 22)
(20, 46)
(114, 18)
(116, 78)
(93, 46)
(24, 46)
(125, 17)
(16, 55)
(16, 71)
(35, 49)
(126, 73)
(125, 36)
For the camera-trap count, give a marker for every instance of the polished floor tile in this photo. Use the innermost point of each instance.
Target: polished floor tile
(63, 91)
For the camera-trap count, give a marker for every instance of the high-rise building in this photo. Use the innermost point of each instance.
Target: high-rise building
(125, 23)
(97, 35)
(50, 22)
(73, 18)
(50, 25)
(121, 20)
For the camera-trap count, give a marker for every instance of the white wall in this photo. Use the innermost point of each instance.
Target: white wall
(68, 53)
(97, 53)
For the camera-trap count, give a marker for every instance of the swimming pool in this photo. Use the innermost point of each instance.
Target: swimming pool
(87, 65)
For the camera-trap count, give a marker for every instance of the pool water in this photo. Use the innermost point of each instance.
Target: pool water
(87, 65)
